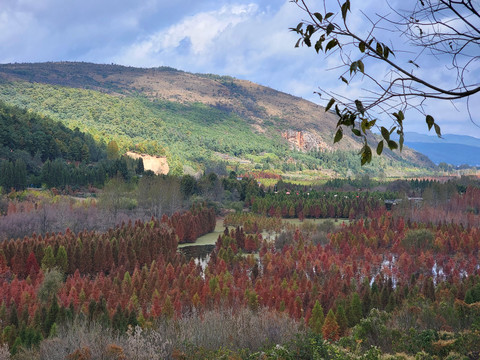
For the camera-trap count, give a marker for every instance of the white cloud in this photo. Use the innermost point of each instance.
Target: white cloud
(247, 39)
(199, 31)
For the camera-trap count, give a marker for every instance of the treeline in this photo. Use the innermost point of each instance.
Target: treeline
(61, 175)
(318, 204)
(439, 207)
(126, 246)
(253, 223)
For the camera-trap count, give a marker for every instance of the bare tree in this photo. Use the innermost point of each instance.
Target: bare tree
(116, 196)
(445, 29)
(159, 195)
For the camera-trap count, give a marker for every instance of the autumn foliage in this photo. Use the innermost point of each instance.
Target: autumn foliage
(133, 274)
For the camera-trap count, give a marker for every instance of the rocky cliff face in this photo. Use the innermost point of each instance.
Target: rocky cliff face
(304, 140)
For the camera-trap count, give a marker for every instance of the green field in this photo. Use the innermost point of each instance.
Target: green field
(207, 239)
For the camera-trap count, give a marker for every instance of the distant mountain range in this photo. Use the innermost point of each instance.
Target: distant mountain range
(451, 149)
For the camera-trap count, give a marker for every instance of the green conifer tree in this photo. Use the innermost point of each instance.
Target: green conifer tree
(342, 320)
(61, 260)
(317, 318)
(354, 311)
(48, 260)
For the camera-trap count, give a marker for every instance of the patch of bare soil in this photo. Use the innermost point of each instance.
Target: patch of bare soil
(158, 164)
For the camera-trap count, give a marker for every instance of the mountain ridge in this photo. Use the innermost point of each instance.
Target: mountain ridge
(168, 93)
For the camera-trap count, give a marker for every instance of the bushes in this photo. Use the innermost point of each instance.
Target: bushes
(418, 239)
(192, 337)
(239, 330)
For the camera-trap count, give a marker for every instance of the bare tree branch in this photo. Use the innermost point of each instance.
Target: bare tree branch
(441, 28)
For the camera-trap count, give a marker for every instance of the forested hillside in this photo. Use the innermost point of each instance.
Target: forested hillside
(35, 150)
(192, 119)
(39, 136)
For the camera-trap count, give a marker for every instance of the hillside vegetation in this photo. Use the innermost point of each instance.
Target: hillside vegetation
(190, 118)
(38, 151)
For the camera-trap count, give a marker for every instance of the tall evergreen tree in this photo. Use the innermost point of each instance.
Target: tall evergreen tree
(354, 310)
(342, 320)
(48, 260)
(61, 259)
(317, 318)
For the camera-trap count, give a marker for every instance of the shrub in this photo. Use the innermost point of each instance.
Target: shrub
(236, 330)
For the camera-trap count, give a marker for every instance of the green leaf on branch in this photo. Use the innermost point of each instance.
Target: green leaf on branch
(318, 44)
(364, 125)
(399, 116)
(331, 44)
(359, 106)
(353, 67)
(380, 148)
(350, 119)
(361, 67)
(400, 141)
(345, 8)
(356, 132)
(337, 110)
(386, 51)
(437, 130)
(385, 133)
(330, 28)
(318, 16)
(362, 46)
(392, 145)
(366, 155)
(344, 80)
(338, 135)
(371, 123)
(430, 121)
(327, 15)
(330, 104)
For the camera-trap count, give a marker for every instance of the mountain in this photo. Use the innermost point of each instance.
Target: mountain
(451, 149)
(193, 119)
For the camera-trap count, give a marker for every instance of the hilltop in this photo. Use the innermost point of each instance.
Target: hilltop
(193, 119)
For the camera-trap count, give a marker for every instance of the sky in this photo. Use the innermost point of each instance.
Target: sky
(246, 39)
